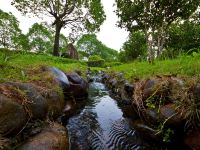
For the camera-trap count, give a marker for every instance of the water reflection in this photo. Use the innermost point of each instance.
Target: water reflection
(101, 124)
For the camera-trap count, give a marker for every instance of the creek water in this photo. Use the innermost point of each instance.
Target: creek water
(101, 124)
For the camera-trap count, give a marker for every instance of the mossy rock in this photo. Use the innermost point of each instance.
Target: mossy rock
(53, 137)
(12, 116)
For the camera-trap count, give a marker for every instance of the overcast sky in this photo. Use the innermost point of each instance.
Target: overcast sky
(109, 34)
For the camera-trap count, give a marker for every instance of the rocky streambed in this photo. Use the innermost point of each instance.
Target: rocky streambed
(60, 110)
(30, 112)
(167, 106)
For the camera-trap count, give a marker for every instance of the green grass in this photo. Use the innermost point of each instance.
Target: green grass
(13, 65)
(182, 66)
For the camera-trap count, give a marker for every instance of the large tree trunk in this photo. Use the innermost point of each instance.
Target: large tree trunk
(56, 40)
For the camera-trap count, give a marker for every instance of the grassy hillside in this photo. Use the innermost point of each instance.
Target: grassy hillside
(15, 65)
(182, 66)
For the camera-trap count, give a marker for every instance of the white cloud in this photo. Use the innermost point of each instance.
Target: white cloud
(109, 34)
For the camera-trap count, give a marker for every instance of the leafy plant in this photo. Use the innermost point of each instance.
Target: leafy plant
(96, 61)
(167, 135)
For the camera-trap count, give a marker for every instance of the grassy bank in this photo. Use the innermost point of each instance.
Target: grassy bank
(182, 66)
(15, 65)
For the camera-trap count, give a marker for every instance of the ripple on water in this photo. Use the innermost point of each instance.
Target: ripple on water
(101, 124)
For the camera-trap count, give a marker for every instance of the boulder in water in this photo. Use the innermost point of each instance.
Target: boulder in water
(60, 76)
(78, 86)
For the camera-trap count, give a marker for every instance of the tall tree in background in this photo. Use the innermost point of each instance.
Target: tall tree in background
(184, 36)
(40, 38)
(153, 17)
(75, 14)
(9, 31)
(134, 47)
(89, 45)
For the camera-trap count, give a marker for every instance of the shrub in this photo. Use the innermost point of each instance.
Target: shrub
(96, 61)
(111, 64)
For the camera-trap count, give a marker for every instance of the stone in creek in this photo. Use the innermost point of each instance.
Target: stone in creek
(12, 116)
(70, 108)
(60, 76)
(54, 137)
(129, 89)
(146, 131)
(56, 104)
(105, 77)
(78, 86)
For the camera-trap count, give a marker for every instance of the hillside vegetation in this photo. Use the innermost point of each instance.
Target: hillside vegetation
(182, 66)
(15, 65)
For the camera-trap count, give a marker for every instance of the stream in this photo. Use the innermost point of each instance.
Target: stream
(101, 124)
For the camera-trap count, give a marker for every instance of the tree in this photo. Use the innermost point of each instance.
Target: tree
(75, 14)
(63, 43)
(9, 31)
(134, 47)
(184, 36)
(89, 45)
(153, 17)
(40, 38)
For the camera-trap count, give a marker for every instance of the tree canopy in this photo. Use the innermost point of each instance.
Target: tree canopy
(9, 31)
(89, 45)
(134, 47)
(77, 15)
(153, 17)
(40, 38)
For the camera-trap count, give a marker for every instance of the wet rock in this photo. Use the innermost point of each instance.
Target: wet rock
(105, 77)
(78, 86)
(55, 104)
(129, 88)
(79, 92)
(145, 131)
(152, 116)
(54, 137)
(192, 140)
(35, 103)
(70, 108)
(129, 112)
(113, 84)
(12, 116)
(125, 98)
(74, 78)
(60, 76)
(169, 113)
